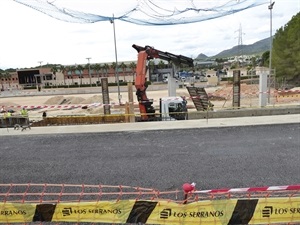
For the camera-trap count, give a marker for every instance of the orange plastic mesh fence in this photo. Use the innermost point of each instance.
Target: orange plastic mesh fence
(55, 193)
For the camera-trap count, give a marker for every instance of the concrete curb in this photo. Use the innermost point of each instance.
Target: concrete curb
(160, 125)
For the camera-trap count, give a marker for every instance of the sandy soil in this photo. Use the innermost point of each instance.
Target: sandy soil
(220, 96)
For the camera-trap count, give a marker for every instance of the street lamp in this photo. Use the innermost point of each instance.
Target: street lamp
(270, 7)
(89, 70)
(36, 78)
(116, 69)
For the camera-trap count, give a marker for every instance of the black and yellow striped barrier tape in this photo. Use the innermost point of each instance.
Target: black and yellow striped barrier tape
(218, 212)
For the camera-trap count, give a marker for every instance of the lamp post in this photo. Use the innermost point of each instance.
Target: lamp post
(270, 7)
(116, 55)
(36, 78)
(89, 70)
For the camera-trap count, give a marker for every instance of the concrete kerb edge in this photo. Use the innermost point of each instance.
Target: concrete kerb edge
(161, 125)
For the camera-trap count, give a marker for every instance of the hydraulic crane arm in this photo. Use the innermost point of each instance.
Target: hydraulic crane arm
(154, 53)
(144, 54)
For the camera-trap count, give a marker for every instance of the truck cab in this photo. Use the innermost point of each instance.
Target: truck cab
(173, 108)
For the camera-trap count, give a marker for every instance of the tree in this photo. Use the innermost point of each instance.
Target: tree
(253, 61)
(97, 68)
(88, 67)
(220, 60)
(151, 66)
(265, 58)
(63, 70)
(286, 50)
(73, 70)
(132, 66)
(114, 67)
(102, 70)
(123, 66)
(80, 69)
(161, 64)
(105, 67)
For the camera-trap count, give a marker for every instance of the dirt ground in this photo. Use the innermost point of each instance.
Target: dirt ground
(220, 96)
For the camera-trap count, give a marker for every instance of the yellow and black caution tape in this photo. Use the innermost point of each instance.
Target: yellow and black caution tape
(218, 212)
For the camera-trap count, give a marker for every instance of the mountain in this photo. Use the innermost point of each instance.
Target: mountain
(256, 48)
(201, 56)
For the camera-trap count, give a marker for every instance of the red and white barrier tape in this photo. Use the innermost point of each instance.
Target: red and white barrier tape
(251, 189)
(57, 106)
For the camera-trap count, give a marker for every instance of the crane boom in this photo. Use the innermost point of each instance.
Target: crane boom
(170, 57)
(146, 53)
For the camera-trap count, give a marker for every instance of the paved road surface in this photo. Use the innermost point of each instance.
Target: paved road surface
(212, 156)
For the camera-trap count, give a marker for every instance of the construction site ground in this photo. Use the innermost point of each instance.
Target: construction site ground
(220, 96)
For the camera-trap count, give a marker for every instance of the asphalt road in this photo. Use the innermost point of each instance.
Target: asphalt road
(224, 157)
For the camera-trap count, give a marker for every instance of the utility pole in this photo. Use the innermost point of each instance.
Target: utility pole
(116, 55)
(89, 70)
(270, 7)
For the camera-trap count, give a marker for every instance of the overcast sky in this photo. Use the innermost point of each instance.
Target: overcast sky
(28, 36)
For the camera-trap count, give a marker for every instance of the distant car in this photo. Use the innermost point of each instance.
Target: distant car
(166, 80)
(183, 79)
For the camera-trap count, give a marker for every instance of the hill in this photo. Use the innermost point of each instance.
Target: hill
(258, 47)
(202, 56)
